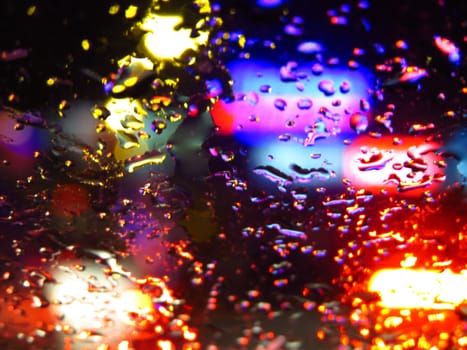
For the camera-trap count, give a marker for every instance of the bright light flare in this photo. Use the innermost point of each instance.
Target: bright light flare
(100, 307)
(419, 289)
(410, 166)
(121, 109)
(163, 41)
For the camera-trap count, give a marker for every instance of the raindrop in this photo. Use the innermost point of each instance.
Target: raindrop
(327, 87)
(265, 89)
(252, 97)
(448, 48)
(317, 69)
(304, 103)
(293, 30)
(300, 86)
(287, 72)
(280, 104)
(352, 64)
(284, 137)
(310, 47)
(345, 87)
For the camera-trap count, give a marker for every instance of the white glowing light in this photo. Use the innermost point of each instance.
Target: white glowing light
(97, 305)
(423, 289)
(163, 41)
(122, 108)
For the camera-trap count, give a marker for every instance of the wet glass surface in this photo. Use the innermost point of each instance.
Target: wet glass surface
(265, 174)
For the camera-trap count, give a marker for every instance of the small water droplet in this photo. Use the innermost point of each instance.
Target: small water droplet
(327, 87)
(265, 89)
(304, 103)
(310, 47)
(252, 97)
(280, 104)
(345, 87)
(284, 137)
(317, 69)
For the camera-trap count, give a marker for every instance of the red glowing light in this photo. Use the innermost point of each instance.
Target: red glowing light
(407, 164)
(70, 200)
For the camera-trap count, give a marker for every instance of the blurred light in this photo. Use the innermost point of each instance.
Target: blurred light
(106, 304)
(164, 41)
(408, 166)
(285, 105)
(269, 3)
(121, 109)
(448, 48)
(419, 289)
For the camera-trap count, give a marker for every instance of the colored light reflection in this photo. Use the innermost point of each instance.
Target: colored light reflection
(107, 304)
(293, 121)
(297, 165)
(266, 104)
(419, 289)
(406, 164)
(91, 302)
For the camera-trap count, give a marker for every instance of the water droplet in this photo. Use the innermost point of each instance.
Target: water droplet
(339, 20)
(280, 104)
(448, 48)
(284, 137)
(304, 103)
(345, 87)
(287, 73)
(150, 157)
(317, 69)
(300, 86)
(327, 87)
(376, 160)
(352, 64)
(401, 45)
(310, 47)
(265, 89)
(358, 122)
(364, 105)
(252, 97)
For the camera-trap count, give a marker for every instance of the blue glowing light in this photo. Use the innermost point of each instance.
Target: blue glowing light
(268, 102)
(293, 122)
(269, 3)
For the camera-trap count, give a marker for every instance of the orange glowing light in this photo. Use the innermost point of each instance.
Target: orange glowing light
(419, 289)
(189, 335)
(165, 345)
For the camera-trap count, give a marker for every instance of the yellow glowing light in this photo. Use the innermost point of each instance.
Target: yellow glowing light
(153, 157)
(419, 289)
(462, 341)
(85, 44)
(163, 41)
(131, 11)
(409, 261)
(122, 108)
(204, 6)
(133, 301)
(31, 10)
(113, 9)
